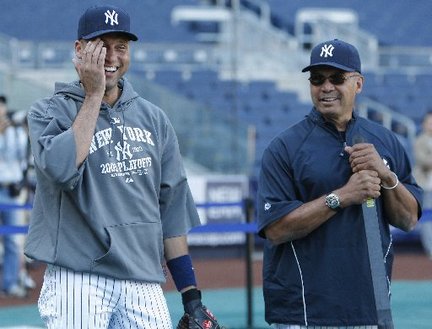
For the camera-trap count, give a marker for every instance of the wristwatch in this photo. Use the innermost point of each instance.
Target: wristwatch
(332, 201)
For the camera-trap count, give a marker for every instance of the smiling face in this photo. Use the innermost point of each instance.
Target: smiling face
(333, 100)
(117, 59)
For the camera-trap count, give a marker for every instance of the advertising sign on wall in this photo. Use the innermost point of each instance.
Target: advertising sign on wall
(219, 199)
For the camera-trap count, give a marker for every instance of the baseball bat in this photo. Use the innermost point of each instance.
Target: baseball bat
(376, 259)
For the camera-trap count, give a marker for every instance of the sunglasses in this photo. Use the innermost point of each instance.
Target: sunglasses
(335, 79)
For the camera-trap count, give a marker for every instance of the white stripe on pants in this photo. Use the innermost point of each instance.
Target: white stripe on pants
(76, 300)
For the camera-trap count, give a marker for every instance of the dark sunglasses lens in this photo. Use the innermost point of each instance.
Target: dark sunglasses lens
(336, 79)
(317, 80)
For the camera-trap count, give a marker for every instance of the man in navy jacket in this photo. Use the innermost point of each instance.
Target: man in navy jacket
(315, 176)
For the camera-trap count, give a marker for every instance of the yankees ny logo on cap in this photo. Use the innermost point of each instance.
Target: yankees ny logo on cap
(335, 53)
(103, 19)
(327, 50)
(112, 17)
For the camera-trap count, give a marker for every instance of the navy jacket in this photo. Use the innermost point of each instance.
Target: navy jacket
(323, 278)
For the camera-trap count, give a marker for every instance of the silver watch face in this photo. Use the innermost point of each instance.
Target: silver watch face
(332, 201)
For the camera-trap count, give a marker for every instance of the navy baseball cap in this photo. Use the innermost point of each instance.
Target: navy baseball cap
(99, 20)
(335, 53)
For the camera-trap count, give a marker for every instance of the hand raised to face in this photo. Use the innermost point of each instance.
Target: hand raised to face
(89, 63)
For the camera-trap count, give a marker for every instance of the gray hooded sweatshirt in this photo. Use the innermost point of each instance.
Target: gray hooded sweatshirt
(111, 215)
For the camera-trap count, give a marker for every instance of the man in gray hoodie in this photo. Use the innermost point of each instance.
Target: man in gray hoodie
(112, 203)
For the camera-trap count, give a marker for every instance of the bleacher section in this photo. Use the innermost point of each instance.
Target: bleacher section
(394, 23)
(57, 20)
(403, 93)
(229, 97)
(206, 137)
(257, 105)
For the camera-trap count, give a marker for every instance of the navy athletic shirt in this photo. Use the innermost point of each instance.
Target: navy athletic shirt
(323, 278)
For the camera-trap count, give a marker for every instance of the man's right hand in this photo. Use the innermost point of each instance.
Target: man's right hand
(89, 63)
(361, 186)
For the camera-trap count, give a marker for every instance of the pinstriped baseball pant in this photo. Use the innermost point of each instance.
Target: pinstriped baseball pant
(75, 300)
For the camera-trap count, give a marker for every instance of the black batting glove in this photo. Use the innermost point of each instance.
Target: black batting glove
(196, 316)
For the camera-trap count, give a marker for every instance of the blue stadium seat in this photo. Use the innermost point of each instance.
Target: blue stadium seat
(169, 78)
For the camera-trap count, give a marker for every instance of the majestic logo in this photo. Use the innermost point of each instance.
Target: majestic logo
(112, 17)
(327, 50)
(267, 206)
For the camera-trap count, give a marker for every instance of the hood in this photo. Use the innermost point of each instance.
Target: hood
(76, 92)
